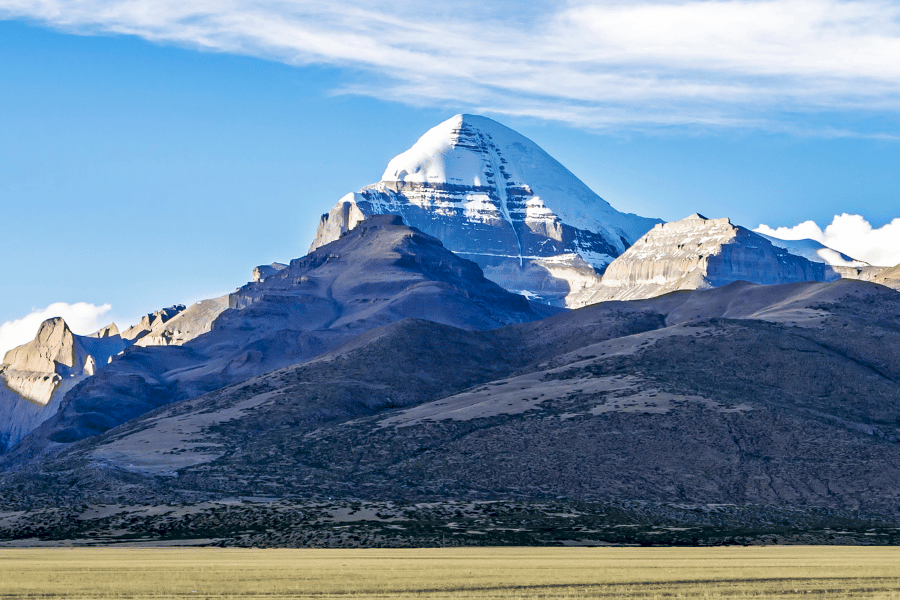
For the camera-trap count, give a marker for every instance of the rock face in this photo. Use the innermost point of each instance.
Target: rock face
(378, 273)
(493, 196)
(889, 277)
(38, 374)
(263, 271)
(697, 253)
(180, 324)
(151, 321)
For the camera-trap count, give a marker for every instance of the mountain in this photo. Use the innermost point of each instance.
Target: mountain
(38, 374)
(886, 276)
(380, 272)
(737, 414)
(697, 253)
(495, 197)
(815, 251)
(845, 266)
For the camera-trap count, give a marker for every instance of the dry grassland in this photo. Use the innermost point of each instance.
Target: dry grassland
(732, 572)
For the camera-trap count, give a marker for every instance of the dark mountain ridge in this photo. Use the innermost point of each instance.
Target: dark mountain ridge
(379, 273)
(755, 397)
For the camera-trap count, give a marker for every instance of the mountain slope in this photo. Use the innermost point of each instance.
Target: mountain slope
(815, 252)
(35, 376)
(493, 196)
(779, 400)
(697, 253)
(889, 277)
(379, 273)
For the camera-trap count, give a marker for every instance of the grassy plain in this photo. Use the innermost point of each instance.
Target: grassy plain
(205, 573)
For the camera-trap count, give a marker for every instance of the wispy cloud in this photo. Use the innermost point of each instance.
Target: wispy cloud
(81, 317)
(709, 63)
(851, 234)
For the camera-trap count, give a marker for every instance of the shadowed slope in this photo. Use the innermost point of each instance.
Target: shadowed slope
(772, 396)
(379, 273)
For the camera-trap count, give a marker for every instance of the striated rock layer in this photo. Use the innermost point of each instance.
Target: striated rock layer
(494, 197)
(697, 253)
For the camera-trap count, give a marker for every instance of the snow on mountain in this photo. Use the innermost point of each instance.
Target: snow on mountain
(475, 151)
(815, 251)
(495, 197)
(697, 253)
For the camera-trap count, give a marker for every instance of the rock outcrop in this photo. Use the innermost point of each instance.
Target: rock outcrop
(697, 253)
(889, 277)
(263, 271)
(110, 330)
(184, 325)
(37, 375)
(149, 322)
(494, 197)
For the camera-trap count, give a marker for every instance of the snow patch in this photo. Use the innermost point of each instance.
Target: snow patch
(451, 153)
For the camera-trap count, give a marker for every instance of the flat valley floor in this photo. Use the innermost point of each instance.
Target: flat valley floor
(723, 572)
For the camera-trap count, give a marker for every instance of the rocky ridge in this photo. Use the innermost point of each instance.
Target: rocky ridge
(380, 272)
(745, 396)
(37, 375)
(698, 253)
(494, 197)
(178, 325)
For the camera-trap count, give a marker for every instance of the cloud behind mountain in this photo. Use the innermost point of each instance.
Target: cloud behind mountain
(82, 317)
(851, 234)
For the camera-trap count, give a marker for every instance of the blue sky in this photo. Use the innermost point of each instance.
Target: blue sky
(153, 152)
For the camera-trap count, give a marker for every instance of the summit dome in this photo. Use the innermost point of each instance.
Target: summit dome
(495, 197)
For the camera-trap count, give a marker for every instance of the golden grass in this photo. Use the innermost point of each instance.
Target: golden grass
(206, 573)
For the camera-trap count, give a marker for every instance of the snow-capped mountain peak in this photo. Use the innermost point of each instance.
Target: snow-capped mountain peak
(475, 151)
(495, 197)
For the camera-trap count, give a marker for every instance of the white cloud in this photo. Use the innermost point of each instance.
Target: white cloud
(851, 234)
(646, 62)
(81, 317)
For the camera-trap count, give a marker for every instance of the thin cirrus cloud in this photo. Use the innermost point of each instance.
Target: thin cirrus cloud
(710, 63)
(851, 234)
(81, 317)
